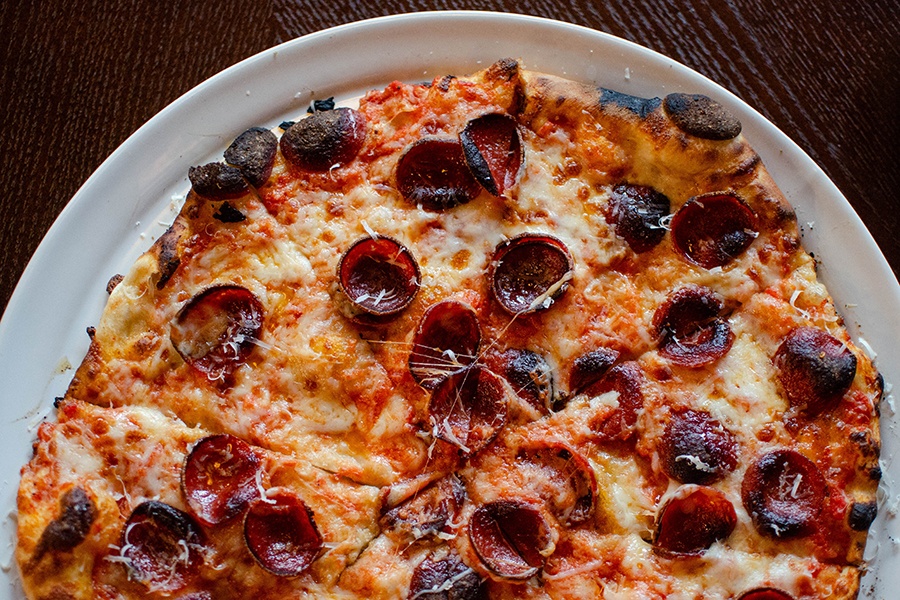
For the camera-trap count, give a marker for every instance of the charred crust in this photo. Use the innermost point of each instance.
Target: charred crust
(253, 153)
(642, 107)
(444, 83)
(701, 116)
(167, 253)
(91, 331)
(868, 446)
(861, 515)
(875, 473)
(229, 214)
(218, 181)
(113, 282)
(747, 166)
(63, 534)
(784, 213)
(318, 105)
(505, 69)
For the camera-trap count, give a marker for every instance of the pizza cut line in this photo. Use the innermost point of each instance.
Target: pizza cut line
(496, 336)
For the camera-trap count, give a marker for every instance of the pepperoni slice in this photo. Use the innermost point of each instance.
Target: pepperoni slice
(511, 538)
(710, 230)
(217, 329)
(695, 448)
(444, 579)
(253, 152)
(814, 368)
(218, 181)
(427, 512)
(163, 546)
(281, 534)
(432, 173)
(325, 139)
(219, 478)
(590, 368)
(469, 408)
(693, 519)
(446, 342)
(783, 492)
(691, 331)
(766, 593)
(571, 482)
(379, 278)
(492, 146)
(637, 212)
(626, 379)
(530, 271)
(529, 374)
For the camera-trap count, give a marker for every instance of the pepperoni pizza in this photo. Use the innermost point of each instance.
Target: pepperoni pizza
(500, 336)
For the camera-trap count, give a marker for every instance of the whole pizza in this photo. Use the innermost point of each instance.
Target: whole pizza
(495, 336)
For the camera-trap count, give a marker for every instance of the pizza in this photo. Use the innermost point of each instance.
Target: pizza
(497, 336)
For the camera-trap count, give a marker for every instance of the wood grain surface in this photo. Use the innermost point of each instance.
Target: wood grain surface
(78, 77)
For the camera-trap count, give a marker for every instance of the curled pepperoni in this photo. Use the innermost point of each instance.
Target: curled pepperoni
(379, 278)
(511, 538)
(590, 368)
(492, 146)
(428, 512)
(433, 173)
(253, 152)
(445, 578)
(530, 271)
(219, 478)
(693, 519)
(712, 229)
(469, 408)
(217, 329)
(783, 492)
(626, 379)
(766, 593)
(325, 139)
(814, 368)
(163, 547)
(529, 374)
(695, 448)
(446, 342)
(571, 484)
(637, 212)
(691, 331)
(281, 534)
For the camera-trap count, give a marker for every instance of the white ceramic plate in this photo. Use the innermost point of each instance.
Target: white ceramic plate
(129, 201)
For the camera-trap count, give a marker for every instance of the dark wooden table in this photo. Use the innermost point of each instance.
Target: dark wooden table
(78, 77)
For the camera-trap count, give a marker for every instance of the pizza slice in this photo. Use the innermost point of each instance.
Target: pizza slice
(127, 502)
